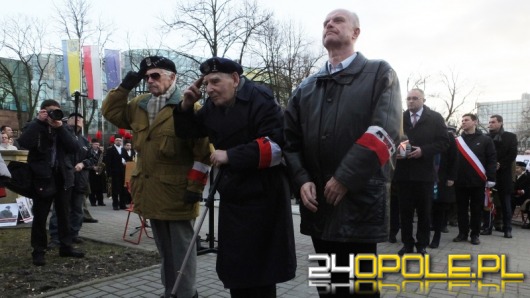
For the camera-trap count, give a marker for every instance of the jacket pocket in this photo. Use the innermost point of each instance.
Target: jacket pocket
(168, 143)
(371, 202)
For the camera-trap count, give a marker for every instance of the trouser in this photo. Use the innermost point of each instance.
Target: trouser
(172, 239)
(439, 215)
(342, 251)
(41, 208)
(75, 217)
(119, 198)
(255, 292)
(394, 209)
(469, 199)
(415, 195)
(96, 197)
(503, 213)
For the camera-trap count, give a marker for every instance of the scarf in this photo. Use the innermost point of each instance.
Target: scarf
(156, 103)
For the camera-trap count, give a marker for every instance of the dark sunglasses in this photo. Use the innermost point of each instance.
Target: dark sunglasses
(413, 98)
(155, 76)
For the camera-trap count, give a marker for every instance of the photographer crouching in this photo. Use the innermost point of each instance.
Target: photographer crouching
(49, 142)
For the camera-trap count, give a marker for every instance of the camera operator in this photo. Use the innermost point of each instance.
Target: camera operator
(49, 142)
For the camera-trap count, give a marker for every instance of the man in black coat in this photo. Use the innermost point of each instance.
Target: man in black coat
(521, 189)
(97, 175)
(115, 167)
(445, 195)
(476, 171)
(427, 135)
(244, 123)
(506, 148)
(49, 142)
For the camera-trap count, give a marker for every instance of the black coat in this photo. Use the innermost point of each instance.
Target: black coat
(327, 123)
(506, 148)
(38, 137)
(126, 155)
(256, 237)
(113, 162)
(484, 149)
(430, 134)
(521, 183)
(97, 182)
(448, 171)
(84, 155)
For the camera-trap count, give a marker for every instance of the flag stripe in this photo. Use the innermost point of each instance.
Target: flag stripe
(92, 68)
(72, 69)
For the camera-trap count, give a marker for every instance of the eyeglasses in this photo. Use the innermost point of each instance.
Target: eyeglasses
(155, 76)
(413, 98)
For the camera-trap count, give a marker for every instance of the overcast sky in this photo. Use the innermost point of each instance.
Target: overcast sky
(487, 42)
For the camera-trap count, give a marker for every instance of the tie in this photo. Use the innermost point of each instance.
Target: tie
(414, 119)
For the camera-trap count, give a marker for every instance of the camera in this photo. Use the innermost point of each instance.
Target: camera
(55, 114)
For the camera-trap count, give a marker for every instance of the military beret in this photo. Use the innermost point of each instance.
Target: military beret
(218, 64)
(94, 140)
(157, 62)
(78, 115)
(118, 136)
(520, 164)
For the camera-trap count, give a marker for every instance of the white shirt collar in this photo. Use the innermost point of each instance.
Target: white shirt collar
(342, 65)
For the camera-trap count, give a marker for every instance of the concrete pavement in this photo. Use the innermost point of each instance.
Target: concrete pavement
(146, 282)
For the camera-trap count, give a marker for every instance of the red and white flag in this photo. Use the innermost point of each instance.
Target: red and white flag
(93, 73)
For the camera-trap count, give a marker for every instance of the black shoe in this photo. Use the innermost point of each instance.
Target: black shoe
(525, 226)
(445, 230)
(70, 252)
(115, 208)
(507, 234)
(38, 258)
(77, 240)
(498, 229)
(486, 231)
(102, 204)
(421, 250)
(406, 250)
(53, 245)
(93, 205)
(123, 207)
(453, 224)
(475, 240)
(392, 238)
(435, 241)
(90, 220)
(460, 238)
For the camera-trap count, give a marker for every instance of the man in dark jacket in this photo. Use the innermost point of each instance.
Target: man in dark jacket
(82, 160)
(96, 175)
(445, 189)
(521, 188)
(506, 148)
(427, 135)
(476, 171)
(49, 142)
(244, 123)
(115, 167)
(341, 128)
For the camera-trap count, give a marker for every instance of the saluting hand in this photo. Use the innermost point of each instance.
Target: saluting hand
(192, 94)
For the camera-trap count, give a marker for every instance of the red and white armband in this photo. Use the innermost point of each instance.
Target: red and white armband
(199, 172)
(377, 139)
(270, 153)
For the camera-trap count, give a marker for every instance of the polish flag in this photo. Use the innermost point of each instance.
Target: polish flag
(92, 66)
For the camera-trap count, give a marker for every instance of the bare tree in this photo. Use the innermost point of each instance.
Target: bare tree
(217, 25)
(285, 58)
(22, 77)
(457, 93)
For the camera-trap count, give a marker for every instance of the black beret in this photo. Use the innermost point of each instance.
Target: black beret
(218, 64)
(94, 140)
(78, 115)
(520, 164)
(157, 62)
(118, 136)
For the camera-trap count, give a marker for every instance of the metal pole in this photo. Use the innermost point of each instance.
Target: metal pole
(198, 225)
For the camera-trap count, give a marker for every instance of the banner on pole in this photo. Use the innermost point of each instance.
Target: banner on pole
(72, 70)
(112, 68)
(92, 67)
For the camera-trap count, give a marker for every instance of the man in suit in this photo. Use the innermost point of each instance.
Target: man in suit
(97, 176)
(506, 148)
(128, 154)
(427, 135)
(115, 167)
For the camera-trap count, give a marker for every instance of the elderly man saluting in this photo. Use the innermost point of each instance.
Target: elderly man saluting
(170, 173)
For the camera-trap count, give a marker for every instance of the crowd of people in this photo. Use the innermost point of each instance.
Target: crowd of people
(337, 147)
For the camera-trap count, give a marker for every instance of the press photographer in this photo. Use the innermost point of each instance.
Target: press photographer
(49, 142)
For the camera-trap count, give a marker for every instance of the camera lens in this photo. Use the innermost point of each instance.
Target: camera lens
(55, 114)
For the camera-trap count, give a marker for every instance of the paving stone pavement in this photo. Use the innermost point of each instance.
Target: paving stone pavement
(146, 282)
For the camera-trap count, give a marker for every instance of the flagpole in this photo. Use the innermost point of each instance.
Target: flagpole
(81, 65)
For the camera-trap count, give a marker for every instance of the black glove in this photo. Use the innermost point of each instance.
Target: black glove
(191, 197)
(131, 80)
